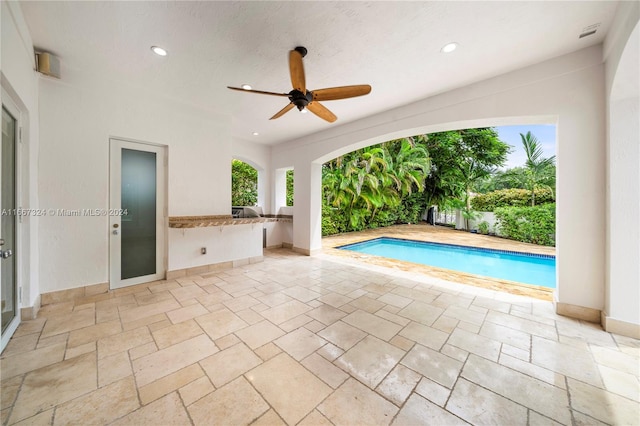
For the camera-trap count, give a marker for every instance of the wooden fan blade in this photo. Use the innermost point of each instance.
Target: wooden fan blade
(260, 92)
(335, 93)
(297, 71)
(283, 111)
(321, 111)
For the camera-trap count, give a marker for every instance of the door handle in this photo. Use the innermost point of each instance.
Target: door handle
(5, 254)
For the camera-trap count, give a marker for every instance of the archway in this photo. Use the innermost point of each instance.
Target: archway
(567, 91)
(622, 297)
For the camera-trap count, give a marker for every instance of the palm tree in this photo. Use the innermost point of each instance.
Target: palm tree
(537, 167)
(409, 167)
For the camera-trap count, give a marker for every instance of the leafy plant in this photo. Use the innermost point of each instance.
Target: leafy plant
(460, 159)
(394, 182)
(537, 167)
(289, 194)
(483, 227)
(469, 214)
(244, 184)
(535, 225)
(510, 198)
(376, 186)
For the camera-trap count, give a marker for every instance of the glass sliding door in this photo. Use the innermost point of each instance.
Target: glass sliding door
(8, 224)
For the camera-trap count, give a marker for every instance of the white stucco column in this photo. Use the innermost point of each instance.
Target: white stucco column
(279, 190)
(263, 191)
(622, 314)
(307, 208)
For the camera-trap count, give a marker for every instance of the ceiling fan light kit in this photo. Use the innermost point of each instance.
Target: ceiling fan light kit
(304, 99)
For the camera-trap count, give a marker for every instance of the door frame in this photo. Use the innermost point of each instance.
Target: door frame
(116, 144)
(17, 113)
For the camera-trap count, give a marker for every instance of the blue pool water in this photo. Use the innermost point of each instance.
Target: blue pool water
(525, 268)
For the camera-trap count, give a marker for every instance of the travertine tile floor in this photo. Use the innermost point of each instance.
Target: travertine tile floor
(312, 341)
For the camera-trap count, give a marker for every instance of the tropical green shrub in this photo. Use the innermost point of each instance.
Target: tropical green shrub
(395, 181)
(510, 198)
(333, 222)
(411, 208)
(289, 194)
(483, 227)
(244, 184)
(535, 225)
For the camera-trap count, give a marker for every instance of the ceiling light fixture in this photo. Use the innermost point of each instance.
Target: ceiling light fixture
(158, 51)
(449, 47)
(303, 111)
(255, 133)
(246, 87)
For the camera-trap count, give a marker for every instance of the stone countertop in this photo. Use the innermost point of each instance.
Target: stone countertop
(222, 220)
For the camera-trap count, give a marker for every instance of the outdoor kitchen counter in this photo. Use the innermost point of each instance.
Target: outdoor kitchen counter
(222, 220)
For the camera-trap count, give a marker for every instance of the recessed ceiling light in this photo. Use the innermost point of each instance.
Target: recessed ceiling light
(449, 47)
(159, 51)
(246, 87)
(255, 133)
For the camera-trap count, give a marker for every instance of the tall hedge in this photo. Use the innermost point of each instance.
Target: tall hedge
(510, 198)
(535, 225)
(244, 184)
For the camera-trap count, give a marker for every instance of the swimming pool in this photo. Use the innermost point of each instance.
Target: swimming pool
(536, 269)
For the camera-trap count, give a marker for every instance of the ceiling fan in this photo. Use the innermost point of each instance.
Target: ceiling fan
(302, 98)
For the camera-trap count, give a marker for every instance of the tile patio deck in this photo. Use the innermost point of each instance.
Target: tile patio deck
(311, 341)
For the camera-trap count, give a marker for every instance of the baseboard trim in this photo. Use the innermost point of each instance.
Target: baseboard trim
(212, 267)
(95, 291)
(623, 328)
(73, 293)
(30, 312)
(287, 245)
(306, 252)
(578, 312)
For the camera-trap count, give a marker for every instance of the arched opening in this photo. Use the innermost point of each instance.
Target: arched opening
(399, 181)
(622, 292)
(252, 178)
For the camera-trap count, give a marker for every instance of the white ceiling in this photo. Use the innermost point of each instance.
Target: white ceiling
(394, 46)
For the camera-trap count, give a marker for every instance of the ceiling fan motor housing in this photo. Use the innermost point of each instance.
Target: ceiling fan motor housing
(299, 99)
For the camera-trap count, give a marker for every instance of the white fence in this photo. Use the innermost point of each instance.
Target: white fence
(445, 217)
(455, 218)
(488, 217)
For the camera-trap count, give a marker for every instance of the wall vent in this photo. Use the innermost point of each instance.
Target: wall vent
(588, 33)
(590, 30)
(48, 64)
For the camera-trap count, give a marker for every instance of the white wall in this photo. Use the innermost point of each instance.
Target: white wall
(78, 115)
(567, 91)
(279, 189)
(20, 81)
(622, 46)
(279, 233)
(223, 243)
(489, 217)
